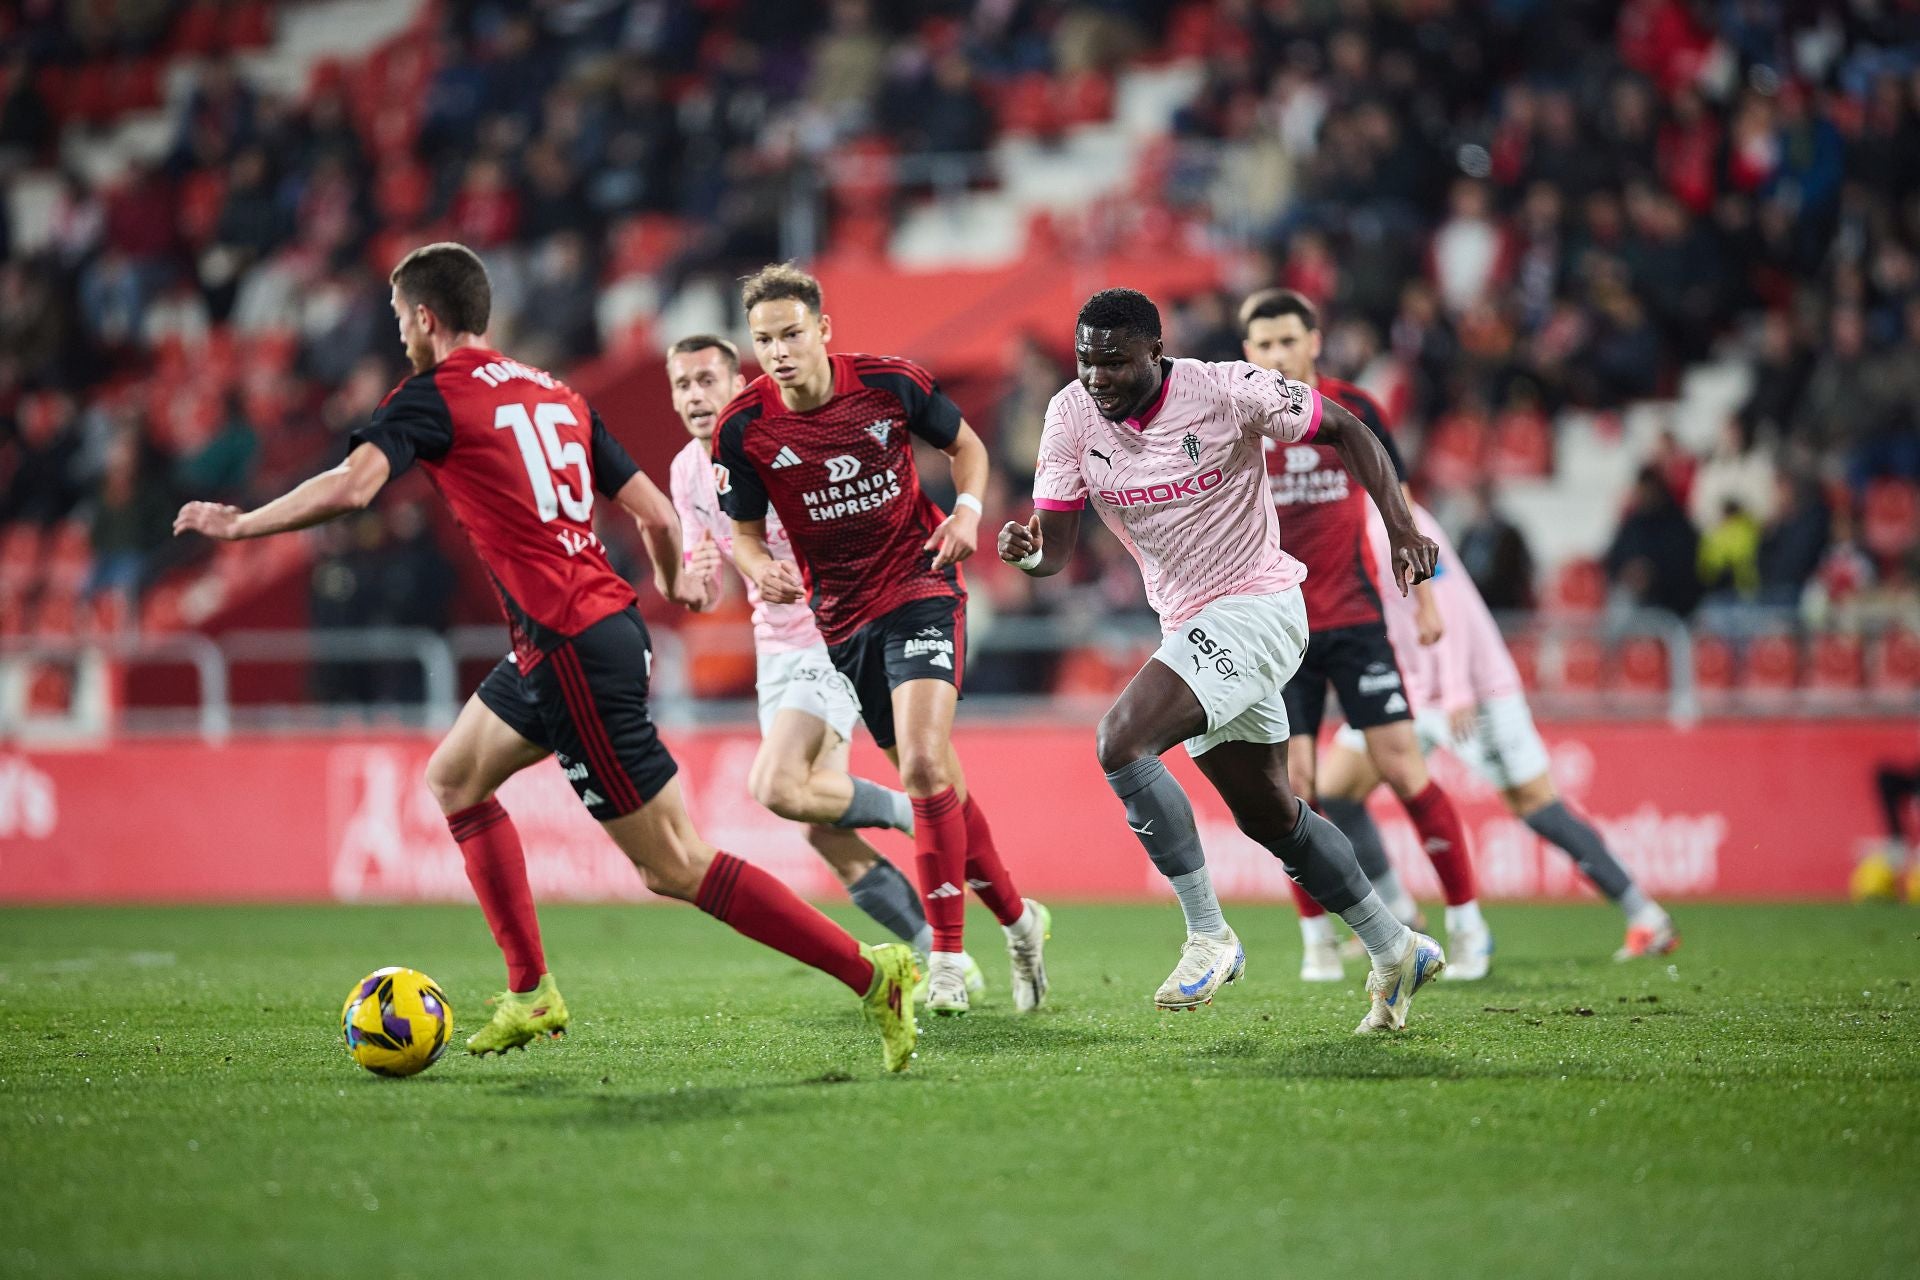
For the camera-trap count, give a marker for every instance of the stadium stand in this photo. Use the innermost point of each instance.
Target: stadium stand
(1568, 245)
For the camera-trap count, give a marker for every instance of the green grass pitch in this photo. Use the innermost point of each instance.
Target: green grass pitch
(178, 1103)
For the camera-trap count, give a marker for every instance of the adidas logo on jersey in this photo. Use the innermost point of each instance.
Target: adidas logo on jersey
(785, 458)
(880, 430)
(1396, 704)
(941, 660)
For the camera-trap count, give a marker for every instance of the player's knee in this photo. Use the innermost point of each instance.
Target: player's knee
(453, 782)
(1116, 743)
(674, 873)
(781, 790)
(1401, 767)
(924, 772)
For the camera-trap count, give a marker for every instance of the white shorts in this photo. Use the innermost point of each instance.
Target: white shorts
(1505, 748)
(1237, 654)
(805, 680)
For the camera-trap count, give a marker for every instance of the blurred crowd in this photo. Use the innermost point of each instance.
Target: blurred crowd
(1507, 209)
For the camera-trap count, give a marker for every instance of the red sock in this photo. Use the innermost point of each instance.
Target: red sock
(751, 902)
(1304, 901)
(497, 870)
(986, 874)
(1445, 841)
(940, 856)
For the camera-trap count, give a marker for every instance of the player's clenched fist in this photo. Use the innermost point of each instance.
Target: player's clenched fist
(779, 582)
(214, 519)
(1020, 541)
(703, 558)
(1414, 555)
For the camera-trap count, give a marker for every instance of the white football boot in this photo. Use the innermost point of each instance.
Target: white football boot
(1469, 953)
(1206, 965)
(946, 986)
(1026, 952)
(1392, 990)
(1320, 961)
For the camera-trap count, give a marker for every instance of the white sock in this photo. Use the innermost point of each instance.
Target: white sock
(958, 959)
(1316, 929)
(1384, 937)
(1466, 916)
(1029, 921)
(1199, 905)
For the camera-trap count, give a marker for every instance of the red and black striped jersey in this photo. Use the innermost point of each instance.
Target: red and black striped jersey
(1323, 516)
(843, 481)
(517, 454)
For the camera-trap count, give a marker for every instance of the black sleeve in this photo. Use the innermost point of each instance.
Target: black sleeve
(612, 465)
(411, 424)
(742, 495)
(930, 414)
(1369, 414)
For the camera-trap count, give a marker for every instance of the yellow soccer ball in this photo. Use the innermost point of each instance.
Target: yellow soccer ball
(397, 1022)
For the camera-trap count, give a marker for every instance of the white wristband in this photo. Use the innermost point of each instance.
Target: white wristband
(969, 501)
(1029, 561)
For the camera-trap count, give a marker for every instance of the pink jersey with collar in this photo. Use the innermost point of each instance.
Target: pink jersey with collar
(1470, 664)
(777, 628)
(1184, 485)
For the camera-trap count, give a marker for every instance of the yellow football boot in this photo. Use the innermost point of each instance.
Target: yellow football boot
(519, 1016)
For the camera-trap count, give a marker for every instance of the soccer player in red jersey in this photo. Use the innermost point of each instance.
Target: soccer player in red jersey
(807, 708)
(1323, 518)
(825, 441)
(518, 456)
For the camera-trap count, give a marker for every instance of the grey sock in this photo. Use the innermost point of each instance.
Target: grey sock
(1198, 903)
(1321, 861)
(894, 904)
(1637, 905)
(1357, 825)
(1384, 937)
(922, 943)
(1557, 824)
(874, 806)
(1160, 814)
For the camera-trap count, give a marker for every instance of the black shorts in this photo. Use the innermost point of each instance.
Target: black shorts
(921, 640)
(1358, 663)
(586, 702)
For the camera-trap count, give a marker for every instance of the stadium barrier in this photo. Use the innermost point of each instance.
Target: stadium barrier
(1737, 809)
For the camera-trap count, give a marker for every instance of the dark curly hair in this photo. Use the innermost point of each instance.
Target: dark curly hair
(1125, 311)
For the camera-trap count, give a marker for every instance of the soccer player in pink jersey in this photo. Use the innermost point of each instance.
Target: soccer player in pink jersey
(1170, 453)
(807, 708)
(1467, 698)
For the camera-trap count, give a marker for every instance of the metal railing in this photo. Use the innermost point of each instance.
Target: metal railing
(1000, 648)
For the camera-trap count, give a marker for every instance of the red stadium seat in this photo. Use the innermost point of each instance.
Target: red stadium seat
(1026, 106)
(1090, 673)
(1715, 667)
(69, 556)
(1087, 98)
(1583, 665)
(90, 93)
(1890, 520)
(402, 191)
(1580, 587)
(644, 244)
(250, 26)
(1643, 666)
(137, 86)
(196, 32)
(1838, 664)
(1773, 664)
(1895, 660)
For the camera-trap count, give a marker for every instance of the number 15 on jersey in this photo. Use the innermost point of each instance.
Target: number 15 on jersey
(548, 458)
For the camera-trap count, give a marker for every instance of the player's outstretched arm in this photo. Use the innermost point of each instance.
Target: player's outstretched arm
(659, 526)
(348, 487)
(1043, 545)
(958, 536)
(779, 580)
(1366, 460)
